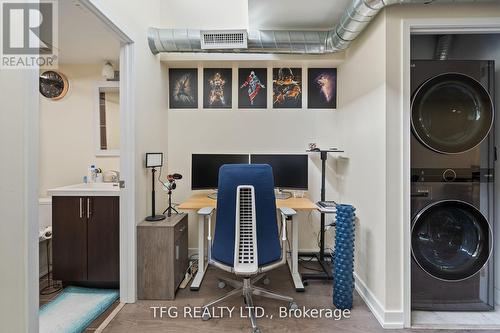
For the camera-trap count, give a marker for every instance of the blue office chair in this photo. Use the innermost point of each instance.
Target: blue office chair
(246, 240)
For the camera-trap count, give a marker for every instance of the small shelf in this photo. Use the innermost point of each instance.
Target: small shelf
(325, 151)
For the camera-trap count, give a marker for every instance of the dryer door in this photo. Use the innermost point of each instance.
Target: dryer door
(451, 240)
(451, 113)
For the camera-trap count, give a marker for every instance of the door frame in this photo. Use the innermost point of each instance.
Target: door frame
(423, 26)
(127, 168)
(127, 156)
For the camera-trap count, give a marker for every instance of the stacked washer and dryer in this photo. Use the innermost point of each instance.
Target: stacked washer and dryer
(452, 179)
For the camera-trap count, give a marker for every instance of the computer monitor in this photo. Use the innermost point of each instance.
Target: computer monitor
(290, 170)
(205, 168)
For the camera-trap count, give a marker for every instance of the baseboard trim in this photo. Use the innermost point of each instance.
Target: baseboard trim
(109, 318)
(387, 319)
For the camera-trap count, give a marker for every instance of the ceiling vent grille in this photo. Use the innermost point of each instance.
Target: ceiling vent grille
(224, 39)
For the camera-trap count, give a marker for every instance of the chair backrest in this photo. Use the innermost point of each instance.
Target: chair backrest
(260, 177)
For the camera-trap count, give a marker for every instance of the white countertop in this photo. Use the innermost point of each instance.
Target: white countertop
(89, 190)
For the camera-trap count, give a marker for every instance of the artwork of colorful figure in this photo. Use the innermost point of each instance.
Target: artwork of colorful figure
(217, 88)
(287, 88)
(252, 93)
(254, 85)
(322, 88)
(183, 90)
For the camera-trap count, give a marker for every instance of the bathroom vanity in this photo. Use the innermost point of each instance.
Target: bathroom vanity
(85, 222)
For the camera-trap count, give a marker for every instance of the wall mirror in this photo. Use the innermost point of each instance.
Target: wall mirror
(107, 118)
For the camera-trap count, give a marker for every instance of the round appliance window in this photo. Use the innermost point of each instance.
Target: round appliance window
(451, 113)
(451, 240)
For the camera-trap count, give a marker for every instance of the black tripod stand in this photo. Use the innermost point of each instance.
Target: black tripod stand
(170, 208)
(153, 217)
(170, 185)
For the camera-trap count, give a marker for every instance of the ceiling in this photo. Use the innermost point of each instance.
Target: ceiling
(295, 14)
(83, 39)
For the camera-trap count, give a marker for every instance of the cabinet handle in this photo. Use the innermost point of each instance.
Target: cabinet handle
(177, 252)
(81, 208)
(88, 208)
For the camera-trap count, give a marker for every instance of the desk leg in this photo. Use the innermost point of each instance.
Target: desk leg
(293, 262)
(202, 265)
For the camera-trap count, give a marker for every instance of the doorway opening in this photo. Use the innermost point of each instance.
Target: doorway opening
(87, 141)
(460, 46)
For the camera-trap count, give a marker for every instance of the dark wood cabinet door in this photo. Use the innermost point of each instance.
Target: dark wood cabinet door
(69, 241)
(103, 239)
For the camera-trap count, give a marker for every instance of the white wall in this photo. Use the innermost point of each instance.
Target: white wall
(18, 200)
(362, 179)
(149, 118)
(149, 84)
(208, 14)
(251, 131)
(246, 131)
(371, 130)
(67, 127)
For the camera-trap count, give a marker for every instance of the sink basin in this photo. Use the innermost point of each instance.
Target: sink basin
(87, 189)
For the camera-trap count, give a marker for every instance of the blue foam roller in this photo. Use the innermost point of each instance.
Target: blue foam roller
(343, 256)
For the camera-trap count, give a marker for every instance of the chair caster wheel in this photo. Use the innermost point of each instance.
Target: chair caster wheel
(292, 306)
(266, 281)
(205, 317)
(256, 330)
(221, 285)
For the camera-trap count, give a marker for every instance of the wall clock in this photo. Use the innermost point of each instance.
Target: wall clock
(53, 85)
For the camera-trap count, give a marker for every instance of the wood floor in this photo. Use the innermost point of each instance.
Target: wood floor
(44, 299)
(138, 317)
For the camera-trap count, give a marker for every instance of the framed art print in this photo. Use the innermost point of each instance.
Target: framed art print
(287, 88)
(322, 88)
(217, 88)
(252, 88)
(183, 88)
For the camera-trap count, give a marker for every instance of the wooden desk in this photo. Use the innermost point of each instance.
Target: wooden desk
(201, 200)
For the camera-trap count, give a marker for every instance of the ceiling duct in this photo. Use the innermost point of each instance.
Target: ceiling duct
(355, 18)
(443, 47)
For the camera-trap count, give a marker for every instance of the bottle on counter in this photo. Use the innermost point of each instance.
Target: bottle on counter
(91, 174)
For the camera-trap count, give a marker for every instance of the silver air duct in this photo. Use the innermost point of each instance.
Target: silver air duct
(443, 47)
(355, 18)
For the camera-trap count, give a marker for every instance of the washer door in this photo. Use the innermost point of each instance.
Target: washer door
(451, 113)
(451, 240)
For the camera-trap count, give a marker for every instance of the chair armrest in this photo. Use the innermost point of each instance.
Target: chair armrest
(287, 212)
(206, 211)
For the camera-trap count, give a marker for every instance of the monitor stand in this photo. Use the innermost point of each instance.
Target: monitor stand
(283, 195)
(213, 195)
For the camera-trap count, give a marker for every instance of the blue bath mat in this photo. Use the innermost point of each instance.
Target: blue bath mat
(74, 309)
